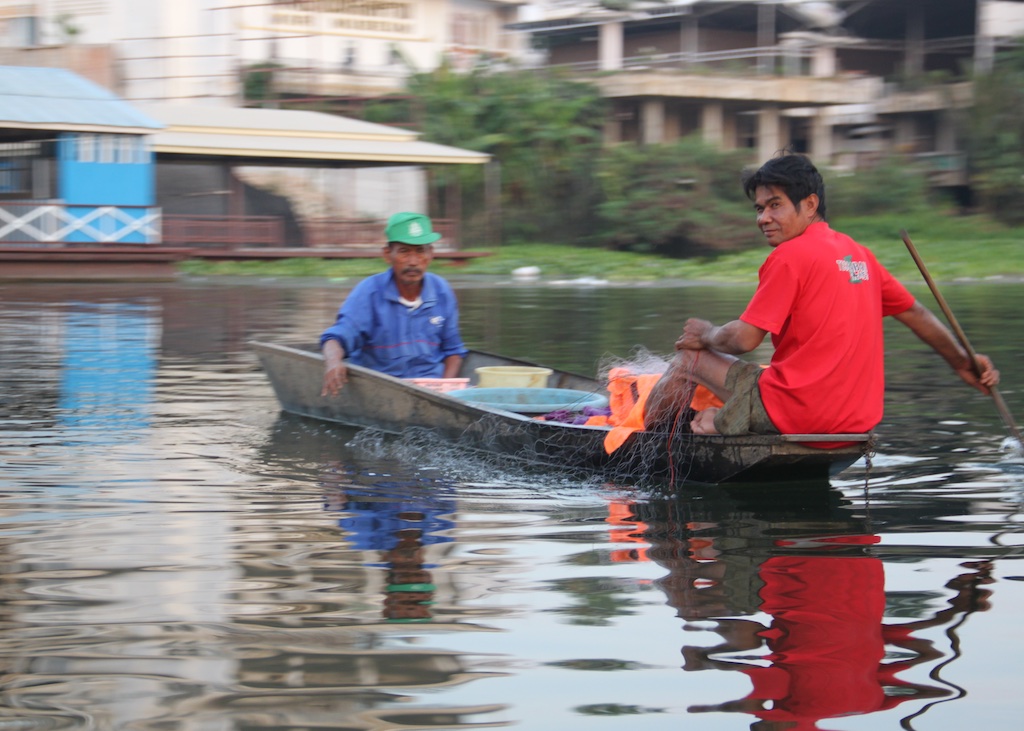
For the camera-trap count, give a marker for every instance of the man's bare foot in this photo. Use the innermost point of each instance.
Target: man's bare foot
(704, 422)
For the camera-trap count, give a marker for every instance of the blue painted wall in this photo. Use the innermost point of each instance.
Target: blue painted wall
(96, 170)
(105, 170)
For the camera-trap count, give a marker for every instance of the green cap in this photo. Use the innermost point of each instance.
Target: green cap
(410, 228)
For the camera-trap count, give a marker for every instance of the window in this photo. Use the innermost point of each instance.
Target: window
(19, 32)
(126, 149)
(13, 175)
(108, 143)
(86, 148)
(17, 162)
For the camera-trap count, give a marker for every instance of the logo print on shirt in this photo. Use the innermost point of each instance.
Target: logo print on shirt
(437, 320)
(858, 270)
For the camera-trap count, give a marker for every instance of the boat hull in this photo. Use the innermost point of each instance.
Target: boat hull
(374, 400)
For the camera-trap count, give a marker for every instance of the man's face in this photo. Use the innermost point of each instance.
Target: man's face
(409, 262)
(779, 218)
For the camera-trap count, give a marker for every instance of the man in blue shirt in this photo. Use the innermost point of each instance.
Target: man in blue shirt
(404, 321)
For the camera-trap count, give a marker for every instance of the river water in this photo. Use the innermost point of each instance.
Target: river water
(177, 554)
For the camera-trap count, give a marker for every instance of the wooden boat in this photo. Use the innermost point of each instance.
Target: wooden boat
(375, 400)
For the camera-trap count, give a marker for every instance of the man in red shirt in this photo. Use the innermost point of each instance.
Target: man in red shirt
(822, 296)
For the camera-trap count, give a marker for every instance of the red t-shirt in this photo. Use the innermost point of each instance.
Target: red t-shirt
(822, 296)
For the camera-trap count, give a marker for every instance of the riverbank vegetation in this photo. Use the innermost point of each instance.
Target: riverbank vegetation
(632, 212)
(995, 134)
(954, 247)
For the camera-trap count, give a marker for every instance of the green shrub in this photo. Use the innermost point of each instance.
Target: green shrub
(542, 129)
(681, 199)
(997, 138)
(258, 80)
(893, 185)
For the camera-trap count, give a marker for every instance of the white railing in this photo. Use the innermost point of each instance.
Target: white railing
(794, 60)
(31, 222)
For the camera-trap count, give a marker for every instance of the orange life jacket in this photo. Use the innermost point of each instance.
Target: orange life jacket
(627, 396)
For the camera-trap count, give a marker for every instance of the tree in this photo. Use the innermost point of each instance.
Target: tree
(541, 127)
(997, 137)
(681, 199)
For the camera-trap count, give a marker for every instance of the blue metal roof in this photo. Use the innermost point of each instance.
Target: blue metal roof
(57, 99)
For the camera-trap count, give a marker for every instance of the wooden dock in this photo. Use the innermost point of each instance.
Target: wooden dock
(90, 263)
(154, 262)
(248, 254)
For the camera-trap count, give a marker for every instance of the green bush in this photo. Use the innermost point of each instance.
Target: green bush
(997, 138)
(892, 185)
(681, 199)
(542, 129)
(258, 80)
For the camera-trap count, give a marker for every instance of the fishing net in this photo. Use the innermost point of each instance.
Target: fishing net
(639, 361)
(509, 448)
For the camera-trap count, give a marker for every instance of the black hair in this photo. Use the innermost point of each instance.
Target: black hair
(795, 174)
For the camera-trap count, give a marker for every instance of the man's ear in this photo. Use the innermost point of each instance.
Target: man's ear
(810, 204)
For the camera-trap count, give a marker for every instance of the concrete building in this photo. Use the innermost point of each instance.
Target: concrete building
(207, 51)
(211, 52)
(845, 80)
(359, 49)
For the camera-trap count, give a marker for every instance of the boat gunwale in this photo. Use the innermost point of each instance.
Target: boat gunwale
(788, 440)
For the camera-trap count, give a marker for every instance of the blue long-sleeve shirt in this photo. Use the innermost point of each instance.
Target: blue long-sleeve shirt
(377, 331)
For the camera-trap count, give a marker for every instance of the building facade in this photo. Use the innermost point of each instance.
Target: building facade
(367, 48)
(846, 81)
(843, 80)
(212, 51)
(232, 53)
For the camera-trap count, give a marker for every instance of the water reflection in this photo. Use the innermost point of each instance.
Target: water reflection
(401, 523)
(797, 601)
(108, 368)
(175, 554)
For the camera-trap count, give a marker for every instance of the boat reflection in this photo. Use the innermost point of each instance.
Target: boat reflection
(794, 599)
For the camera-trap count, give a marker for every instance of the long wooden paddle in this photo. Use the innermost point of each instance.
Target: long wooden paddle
(1004, 412)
